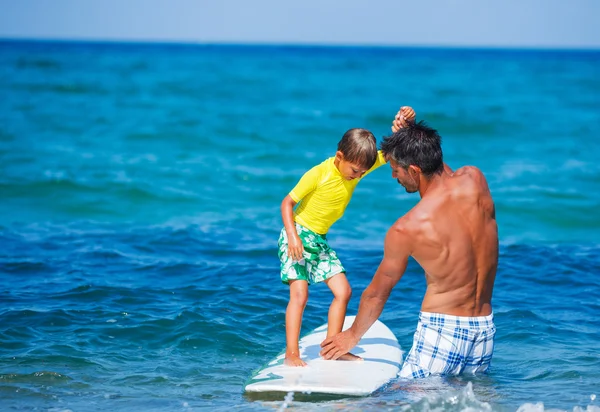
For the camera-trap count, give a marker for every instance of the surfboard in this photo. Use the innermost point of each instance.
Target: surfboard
(378, 347)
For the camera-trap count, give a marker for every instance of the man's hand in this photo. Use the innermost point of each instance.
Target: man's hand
(338, 345)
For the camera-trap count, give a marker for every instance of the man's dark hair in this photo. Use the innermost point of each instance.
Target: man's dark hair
(416, 144)
(359, 146)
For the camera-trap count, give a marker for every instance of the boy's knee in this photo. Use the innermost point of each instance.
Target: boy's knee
(299, 297)
(344, 293)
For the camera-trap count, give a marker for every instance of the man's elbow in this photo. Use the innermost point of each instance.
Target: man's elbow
(376, 293)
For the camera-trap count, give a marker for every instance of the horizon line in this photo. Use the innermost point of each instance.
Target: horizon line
(183, 42)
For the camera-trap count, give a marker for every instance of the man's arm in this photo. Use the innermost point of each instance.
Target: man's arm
(390, 270)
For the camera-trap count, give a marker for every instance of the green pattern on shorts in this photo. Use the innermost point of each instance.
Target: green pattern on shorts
(319, 261)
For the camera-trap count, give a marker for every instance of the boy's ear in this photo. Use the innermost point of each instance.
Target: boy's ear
(339, 155)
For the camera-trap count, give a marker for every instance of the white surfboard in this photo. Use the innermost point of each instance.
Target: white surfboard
(378, 347)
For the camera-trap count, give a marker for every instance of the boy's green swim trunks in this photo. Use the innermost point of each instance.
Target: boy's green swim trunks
(319, 261)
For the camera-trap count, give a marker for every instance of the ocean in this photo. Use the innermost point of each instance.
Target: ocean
(140, 187)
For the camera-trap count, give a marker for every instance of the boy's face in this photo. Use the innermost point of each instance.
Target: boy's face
(348, 170)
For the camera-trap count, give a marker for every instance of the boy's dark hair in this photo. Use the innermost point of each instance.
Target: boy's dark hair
(416, 144)
(359, 146)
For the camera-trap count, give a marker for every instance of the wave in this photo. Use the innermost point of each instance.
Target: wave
(81, 89)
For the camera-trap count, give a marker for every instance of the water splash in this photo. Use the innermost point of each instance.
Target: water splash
(287, 401)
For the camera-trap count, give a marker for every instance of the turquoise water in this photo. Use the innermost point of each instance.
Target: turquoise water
(140, 189)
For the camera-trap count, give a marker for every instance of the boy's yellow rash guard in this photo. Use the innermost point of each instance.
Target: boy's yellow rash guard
(323, 194)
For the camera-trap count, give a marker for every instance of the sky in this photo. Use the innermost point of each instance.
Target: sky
(471, 23)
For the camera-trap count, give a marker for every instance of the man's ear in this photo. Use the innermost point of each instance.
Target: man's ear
(414, 171)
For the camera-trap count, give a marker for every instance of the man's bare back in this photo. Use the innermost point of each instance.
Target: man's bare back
(455, 240)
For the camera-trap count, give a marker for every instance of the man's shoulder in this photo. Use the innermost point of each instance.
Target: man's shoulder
(470, 178)
(472, 171)
(412, 221)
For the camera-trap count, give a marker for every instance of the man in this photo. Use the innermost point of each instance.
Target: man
(452, 234)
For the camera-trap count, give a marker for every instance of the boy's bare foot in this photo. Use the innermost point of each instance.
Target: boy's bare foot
(293, 360)
(350, 357)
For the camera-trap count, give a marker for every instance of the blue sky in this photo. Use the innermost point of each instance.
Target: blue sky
(500, 23)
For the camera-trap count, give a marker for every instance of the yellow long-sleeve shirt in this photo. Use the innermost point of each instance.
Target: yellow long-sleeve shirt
(323, 194)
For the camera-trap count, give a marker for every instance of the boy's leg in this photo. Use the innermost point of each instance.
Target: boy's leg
(293, 321)
(341, 296)
(337, 311)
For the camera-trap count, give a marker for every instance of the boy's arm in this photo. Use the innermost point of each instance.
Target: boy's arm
(305, 185)
(295, 247)
(405, 115)
(381, 160)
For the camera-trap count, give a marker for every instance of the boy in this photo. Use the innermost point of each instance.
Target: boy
(306, 257)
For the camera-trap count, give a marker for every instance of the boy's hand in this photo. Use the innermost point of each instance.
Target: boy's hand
(405, 114)
(295, 247)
